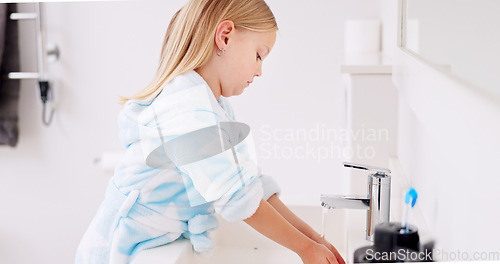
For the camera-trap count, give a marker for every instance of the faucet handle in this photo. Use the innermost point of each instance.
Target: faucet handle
(377, 170)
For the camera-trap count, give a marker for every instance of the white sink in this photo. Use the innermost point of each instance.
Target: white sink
(237, 242)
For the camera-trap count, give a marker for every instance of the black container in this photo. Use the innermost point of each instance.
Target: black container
(393, 244)
(390, 235)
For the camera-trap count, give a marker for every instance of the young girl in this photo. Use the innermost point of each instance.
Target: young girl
(186, 157)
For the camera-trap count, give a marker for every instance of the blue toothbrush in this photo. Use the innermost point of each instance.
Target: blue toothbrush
(412, 195)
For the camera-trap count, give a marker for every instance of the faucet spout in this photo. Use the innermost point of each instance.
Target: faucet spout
(344, 201)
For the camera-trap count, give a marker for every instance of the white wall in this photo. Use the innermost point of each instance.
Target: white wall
(51, 186)
(388, 15)
(448, 149)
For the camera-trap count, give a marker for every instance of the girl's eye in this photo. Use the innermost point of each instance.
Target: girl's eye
(258, 57)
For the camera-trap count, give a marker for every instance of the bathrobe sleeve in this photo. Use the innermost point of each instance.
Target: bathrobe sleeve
(269, 185)
(215, 156)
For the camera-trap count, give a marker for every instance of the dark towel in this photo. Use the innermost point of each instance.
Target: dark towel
(9, 89)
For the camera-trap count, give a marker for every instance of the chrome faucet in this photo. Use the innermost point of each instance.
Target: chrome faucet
(377, 202)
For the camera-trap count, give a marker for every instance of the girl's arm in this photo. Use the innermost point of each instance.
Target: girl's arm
(301, 225)
(267, 221)
(291, 217)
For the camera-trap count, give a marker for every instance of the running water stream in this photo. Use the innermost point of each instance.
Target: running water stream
(323, 221)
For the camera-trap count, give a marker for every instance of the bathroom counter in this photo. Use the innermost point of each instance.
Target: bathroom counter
(237, 242)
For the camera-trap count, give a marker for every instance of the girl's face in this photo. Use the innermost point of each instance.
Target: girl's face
(242, 59)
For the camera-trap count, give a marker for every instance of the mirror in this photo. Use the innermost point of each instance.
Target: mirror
(459, 36)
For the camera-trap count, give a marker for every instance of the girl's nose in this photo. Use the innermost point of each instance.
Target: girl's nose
(258, 73)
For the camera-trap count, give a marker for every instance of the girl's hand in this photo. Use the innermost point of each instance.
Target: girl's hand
(318, 239)
(318, 254)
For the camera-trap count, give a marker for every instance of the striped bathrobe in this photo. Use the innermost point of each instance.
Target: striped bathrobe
(186, 158)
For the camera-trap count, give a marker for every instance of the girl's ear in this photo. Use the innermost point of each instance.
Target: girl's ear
(224, 33)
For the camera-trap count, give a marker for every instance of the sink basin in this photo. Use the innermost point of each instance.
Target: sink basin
(237, 242)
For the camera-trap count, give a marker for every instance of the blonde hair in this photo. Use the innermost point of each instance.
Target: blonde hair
(189, 40)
